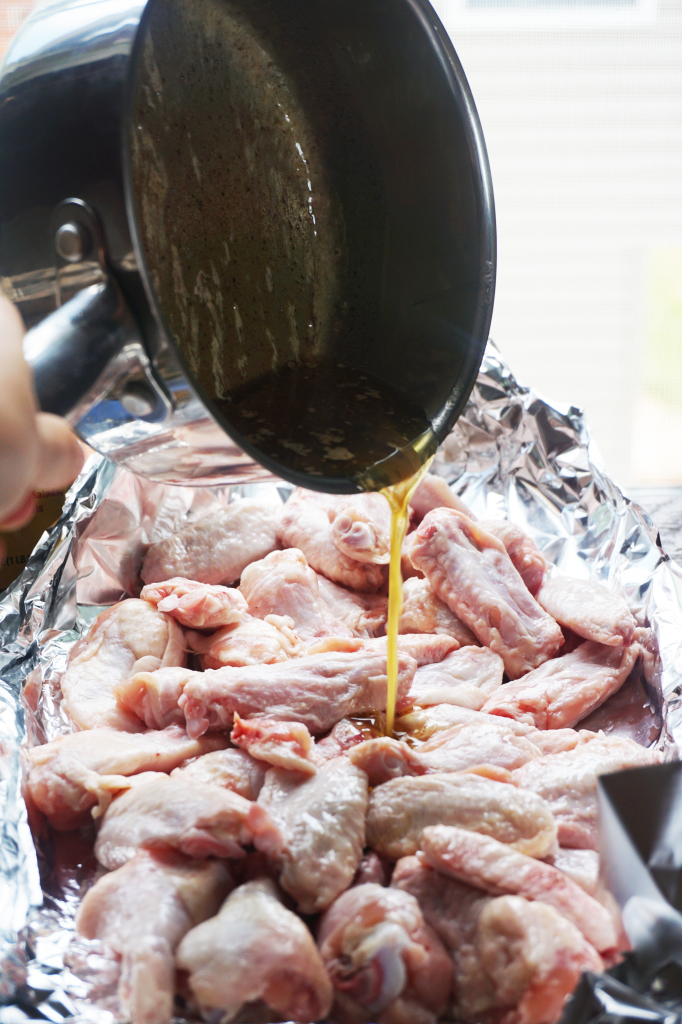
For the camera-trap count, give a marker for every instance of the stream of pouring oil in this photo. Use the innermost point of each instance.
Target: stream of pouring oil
(398, 497)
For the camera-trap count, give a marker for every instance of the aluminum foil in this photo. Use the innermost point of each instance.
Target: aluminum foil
(511, 454)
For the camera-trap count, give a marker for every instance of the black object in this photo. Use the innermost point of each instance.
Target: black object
(397, 166)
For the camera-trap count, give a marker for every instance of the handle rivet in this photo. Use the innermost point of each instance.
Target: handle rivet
(137, 399)
(72, 241)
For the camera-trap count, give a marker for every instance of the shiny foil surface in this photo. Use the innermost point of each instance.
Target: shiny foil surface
(511, 455)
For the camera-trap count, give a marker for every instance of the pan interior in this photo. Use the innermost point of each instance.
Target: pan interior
(278, 153)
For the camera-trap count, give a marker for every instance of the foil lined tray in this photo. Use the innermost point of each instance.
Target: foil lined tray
(511, 454)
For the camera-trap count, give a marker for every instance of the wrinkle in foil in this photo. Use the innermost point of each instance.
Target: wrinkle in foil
(511, 454)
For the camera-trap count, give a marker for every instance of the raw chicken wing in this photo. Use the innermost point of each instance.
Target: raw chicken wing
(472, 573)
(407, 569)
(466, 677)
(343, 736)
(198, 819)
(129, 637)
(372, 869)
(527, 559)
(401, 809)
(566, 689)
(72, 774)
(423, 612)
(196, 605)
(588, 608)
(255, 951)
(153, 696)
(233, 769)
(284, 584)
(217, 548)
(452, 909)
(533, 956)
(322, 823)
(495, 867)
(422, 723)
(433, 492)
(568, 782)
(318, 690)
(282, 744)
(464, 746)
(251, 642)
(305, 525)
(364, 614)
(460, 748)
(425, 648)
(383, 758)
(387, 966)
(141, 911)
(360, 526)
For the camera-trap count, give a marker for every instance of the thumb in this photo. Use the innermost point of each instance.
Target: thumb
(60, 456)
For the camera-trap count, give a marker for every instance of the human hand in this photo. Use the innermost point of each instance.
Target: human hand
(37, 450)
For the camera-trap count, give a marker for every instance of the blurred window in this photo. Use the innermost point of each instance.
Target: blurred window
(581, 107)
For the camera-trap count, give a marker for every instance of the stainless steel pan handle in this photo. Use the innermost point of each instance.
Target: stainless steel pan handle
(90, 348)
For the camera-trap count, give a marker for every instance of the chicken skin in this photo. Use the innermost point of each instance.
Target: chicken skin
(364, 614)
(568, 782)
(196, 605)
(464, 746)
(197, 819)
(387, 966)
(433, 492)
(423, 612)
(526, 557)
(420, 724)
(140, 912)
(305, 525)
(251, 641)
(383, 758)
(218, 547)
(401, 809)
(534, 957)
(282, 744)
(255, 951)
(233, 769)
(284, 584)
(472, 573)
(75, 773)
(452, 908)
(482, 861)
(425, 648)
(460, 748)
(580, 865)
(562, 691)
(318, 690)
(129, 637)
(509, 954)
(322, 823)
(360, 526)
(466, 677)
(588, 608)
(153, 696)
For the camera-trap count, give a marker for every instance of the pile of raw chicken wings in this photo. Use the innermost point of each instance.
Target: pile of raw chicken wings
(266, 852)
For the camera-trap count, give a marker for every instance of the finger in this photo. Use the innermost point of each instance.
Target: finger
(60, 456)
(19, 516)
(18, 436)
